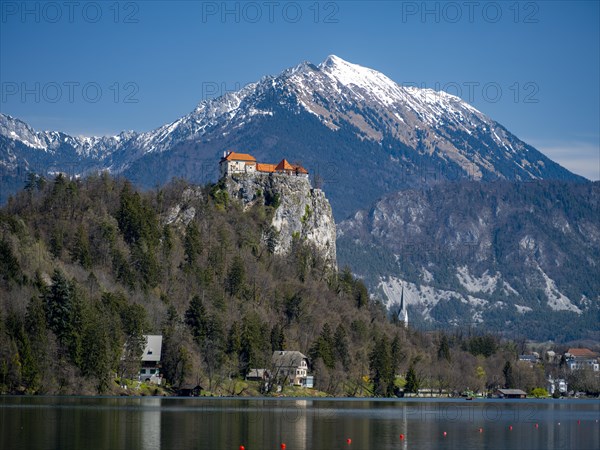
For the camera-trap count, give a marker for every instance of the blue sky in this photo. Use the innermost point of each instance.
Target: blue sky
(96, 68)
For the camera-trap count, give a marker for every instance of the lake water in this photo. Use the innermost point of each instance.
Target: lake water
(93, 423)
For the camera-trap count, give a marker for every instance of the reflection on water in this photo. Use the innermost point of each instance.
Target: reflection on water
(150, 423)
(304, 424)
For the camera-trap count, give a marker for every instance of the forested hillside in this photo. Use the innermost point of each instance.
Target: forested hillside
(87, 267)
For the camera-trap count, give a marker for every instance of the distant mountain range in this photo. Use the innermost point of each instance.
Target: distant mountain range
(357, 131)
(522, 259)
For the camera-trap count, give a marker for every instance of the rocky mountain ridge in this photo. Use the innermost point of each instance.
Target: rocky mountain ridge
(509, 256)
(357, 130)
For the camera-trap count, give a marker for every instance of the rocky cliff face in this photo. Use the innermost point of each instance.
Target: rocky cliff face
(510, 256)
(301, 211)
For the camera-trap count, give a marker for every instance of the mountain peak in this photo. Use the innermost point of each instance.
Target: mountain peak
(399, 130)
(347, 72)
(333, 60)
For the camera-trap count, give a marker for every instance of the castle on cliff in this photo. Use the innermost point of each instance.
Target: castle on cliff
(239, 163)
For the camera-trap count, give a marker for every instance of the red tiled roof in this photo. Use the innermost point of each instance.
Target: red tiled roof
(233, 156)
(582, 352)
(269, 168)
(298, 168)
(284, 165)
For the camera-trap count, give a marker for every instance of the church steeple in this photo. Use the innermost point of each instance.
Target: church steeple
(403, 313)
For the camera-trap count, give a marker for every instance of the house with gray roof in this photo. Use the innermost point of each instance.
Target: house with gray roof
(150, 369)
(290, 365)
(511, 393)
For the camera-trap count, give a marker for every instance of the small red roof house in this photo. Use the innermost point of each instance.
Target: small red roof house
(582, 353)
(233, 156)
(233, 162)
(291, 169)
(582, 358)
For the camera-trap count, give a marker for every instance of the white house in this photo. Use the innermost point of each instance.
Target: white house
(233, 162)
(150, 369)
(292, 365)
(582, 358)
(558, 384)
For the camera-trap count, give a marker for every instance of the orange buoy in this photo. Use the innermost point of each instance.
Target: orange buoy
(348, 441)
(481, 430)
(401, 436)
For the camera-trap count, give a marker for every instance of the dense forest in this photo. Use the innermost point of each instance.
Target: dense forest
(89, 266)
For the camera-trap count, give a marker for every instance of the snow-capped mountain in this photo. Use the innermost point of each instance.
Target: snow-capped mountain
(361, 132)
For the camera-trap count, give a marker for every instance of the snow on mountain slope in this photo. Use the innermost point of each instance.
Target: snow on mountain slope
(417, 117)
(336, 80)
(529, 250)
(50, 141)
(405, 130)
(425, 298)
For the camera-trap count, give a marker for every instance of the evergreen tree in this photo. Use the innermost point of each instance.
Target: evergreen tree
(35, 326)
(29, 372)
(143, 259)
(293, 307)
(444, 349)
(192, 244)
(196, 319)
(482, 345)
(412, 381)
(130, 215)
(340, 346)
(97, 358)
(236, 276)
(10, 269)
(277, 338)
(509, 381)
(31, 183)
(323, 348)
(63, 306)
(58, 305)
(81, 249)
(380, 365)
(345, 280)
(234, 340)
(57, 242)
(396, 352)
(212, 347)
(255, 343)
(361, 294)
